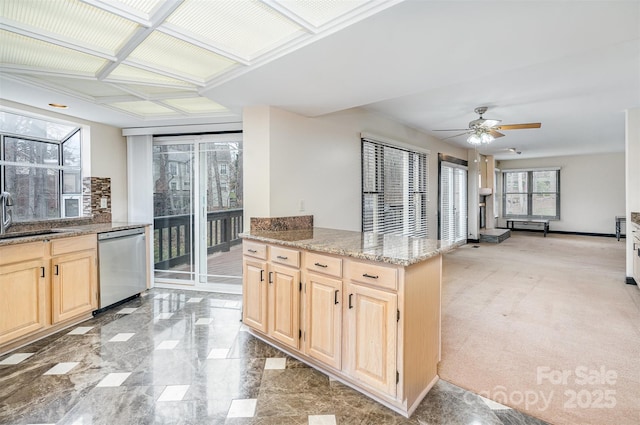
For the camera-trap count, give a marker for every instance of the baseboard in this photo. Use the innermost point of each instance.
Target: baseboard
(562, 232)
(473, 240)
(631, 281)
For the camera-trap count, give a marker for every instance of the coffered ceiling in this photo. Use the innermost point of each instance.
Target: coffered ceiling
(574, 66)
(153, 59)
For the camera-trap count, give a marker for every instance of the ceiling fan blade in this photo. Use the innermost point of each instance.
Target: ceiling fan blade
(518, 126)
(495, 134)
(454, 129)
(451, 137)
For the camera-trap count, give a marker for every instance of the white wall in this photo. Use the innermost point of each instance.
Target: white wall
(632, 171)
(108, 155)
(592, 190)
(317, 161)
(255, 153)
(109, 159)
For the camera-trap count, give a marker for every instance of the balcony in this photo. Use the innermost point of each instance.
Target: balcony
(174, 238)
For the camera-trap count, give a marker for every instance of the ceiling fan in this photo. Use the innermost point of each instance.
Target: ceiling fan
(482, 130)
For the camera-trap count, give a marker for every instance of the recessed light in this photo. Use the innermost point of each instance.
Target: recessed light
(58, 105)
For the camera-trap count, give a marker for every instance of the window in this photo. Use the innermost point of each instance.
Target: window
(394, 190)
(223, 168)
(40, 166)
(531, 193)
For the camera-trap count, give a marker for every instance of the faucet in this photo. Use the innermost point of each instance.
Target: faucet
(5, 221)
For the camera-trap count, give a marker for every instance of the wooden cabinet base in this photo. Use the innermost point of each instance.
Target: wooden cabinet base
(372, 325)
(46, 286)
(400, 407)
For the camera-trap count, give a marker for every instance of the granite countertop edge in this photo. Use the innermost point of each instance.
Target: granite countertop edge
(70, 231)
(310, 244)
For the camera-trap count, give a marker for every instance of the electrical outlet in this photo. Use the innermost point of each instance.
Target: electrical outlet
(103, 202)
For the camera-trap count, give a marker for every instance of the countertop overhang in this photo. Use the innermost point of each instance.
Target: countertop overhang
(64, 232)
(392, 249)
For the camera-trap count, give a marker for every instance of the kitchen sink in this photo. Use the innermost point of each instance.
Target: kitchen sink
(28, 233)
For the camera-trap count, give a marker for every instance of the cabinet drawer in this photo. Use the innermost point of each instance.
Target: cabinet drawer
(323, 264)
(254, 249)
(22, 252)
(289, 257)
(73, 244)
(373, 274)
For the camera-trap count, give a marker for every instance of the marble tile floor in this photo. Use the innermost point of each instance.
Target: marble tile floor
(183, 357)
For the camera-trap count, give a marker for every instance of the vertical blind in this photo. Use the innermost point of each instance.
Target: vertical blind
(453, 202)
(394, 189)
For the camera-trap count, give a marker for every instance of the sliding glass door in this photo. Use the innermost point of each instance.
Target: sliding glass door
(198, 211)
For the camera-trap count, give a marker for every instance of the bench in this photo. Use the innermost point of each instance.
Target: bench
(513, 221)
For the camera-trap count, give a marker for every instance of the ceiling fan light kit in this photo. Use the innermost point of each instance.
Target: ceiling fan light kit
(484, 131)
(480, 137)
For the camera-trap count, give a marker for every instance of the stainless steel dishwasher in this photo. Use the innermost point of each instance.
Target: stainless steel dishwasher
(123, 265)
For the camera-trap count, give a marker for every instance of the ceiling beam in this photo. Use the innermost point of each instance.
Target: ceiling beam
(161, 13)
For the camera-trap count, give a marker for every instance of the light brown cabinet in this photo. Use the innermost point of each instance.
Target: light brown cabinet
(271, 292)
(323, 321)
(254, 294)
(373, 326)
(74, 287)
(372, 337)
(284, 305)
(636, 252)
(45, 285)
(22, 299)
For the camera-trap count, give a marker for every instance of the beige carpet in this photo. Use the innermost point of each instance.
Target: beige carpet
(546, 326)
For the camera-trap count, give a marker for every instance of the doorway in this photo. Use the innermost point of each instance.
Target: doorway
(453, 202)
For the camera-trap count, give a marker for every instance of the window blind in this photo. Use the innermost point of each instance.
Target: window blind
(394, 189)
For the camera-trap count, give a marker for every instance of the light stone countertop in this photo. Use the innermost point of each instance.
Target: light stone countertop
(64, 232)
(635, 218)
(392, 249)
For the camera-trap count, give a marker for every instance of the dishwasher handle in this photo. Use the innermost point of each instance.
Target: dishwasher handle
(120, 234)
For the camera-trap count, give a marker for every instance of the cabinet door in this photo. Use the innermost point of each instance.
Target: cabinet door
(254, 294)
(74, 285)
(284, 305)
(636, 260)
(22, 299)
(324, 319)
(372, 337)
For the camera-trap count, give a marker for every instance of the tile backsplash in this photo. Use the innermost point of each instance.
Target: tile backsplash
(300, 222)
(94, 190)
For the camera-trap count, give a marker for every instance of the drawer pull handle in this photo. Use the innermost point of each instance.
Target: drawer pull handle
(335, 297)
(350, 305)
(253, 251)
(281, 257)
(321, 265)
(369, 276)
(261, 275)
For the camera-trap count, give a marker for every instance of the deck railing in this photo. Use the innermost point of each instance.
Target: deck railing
(173, 236)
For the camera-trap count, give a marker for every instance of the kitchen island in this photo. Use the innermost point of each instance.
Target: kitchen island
(363, 308)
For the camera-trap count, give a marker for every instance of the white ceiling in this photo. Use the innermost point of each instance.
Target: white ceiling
(574, 66)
